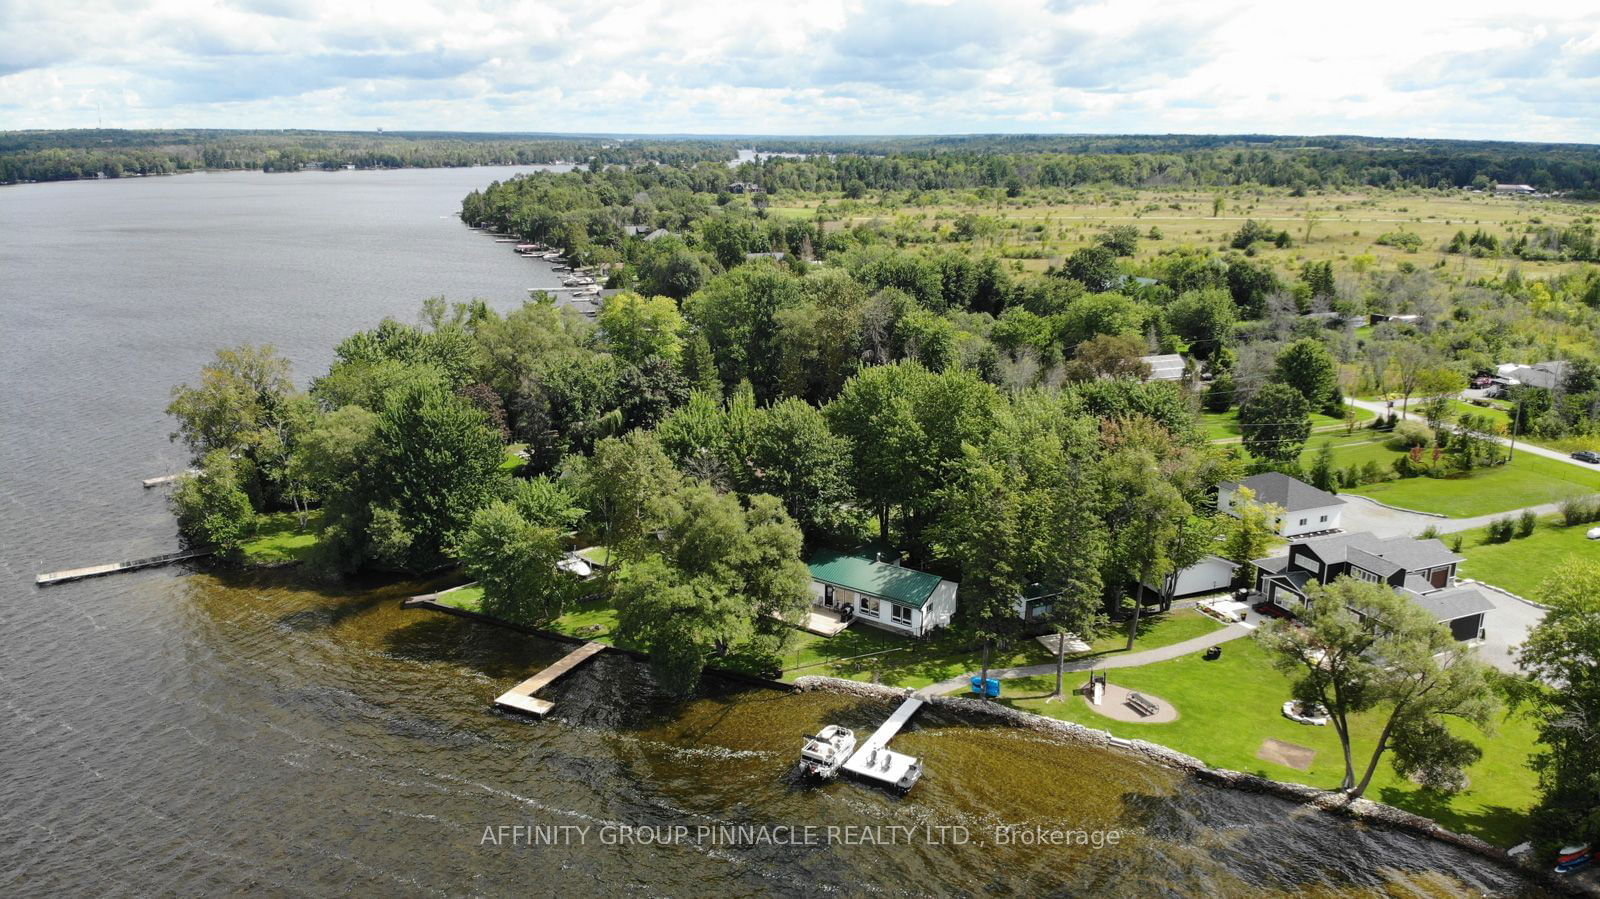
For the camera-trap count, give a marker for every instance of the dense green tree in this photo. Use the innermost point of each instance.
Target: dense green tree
(1205, 318)
(738, 313)
(1093, 267)
(1276, 422)
(1307, 366)
(626, 484)
(796, 458)
(1562, 654)
(247, 407)
(1122, 240)
(514, 560)
(212, 507)
(429, 464)
(639, 328)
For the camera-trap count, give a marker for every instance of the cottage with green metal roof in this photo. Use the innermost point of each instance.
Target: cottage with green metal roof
(883, 594)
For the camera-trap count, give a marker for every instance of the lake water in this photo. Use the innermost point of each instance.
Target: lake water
(181, 732)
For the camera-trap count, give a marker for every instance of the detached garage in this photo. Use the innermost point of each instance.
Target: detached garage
(1211, 574)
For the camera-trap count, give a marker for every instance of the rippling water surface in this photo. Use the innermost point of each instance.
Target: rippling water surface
(184, 732)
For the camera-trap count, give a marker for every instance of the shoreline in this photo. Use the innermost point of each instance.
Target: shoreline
(1365, 811)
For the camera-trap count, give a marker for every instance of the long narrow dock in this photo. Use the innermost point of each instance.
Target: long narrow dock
(521, 699)
(874, 760)
(78, 574)
(166, 478)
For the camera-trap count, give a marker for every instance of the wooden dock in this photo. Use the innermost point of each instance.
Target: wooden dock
(875, 761)
(521, 699)
(166, 478)
(78, 574)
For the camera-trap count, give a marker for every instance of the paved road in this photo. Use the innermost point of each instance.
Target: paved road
(1123, 660)
(1363, 514)
(1382, 408)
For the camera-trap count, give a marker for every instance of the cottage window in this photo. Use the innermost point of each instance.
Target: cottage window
(1365, 575)
(900, 614)
(1324, 519)
(869, 606)
(1302, 522)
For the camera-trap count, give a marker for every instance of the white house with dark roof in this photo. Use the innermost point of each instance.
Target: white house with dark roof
(1306, 510)
(1423, 571)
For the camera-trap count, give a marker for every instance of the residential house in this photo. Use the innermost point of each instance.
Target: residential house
(1544, 375)
(1306, 510)
(882, 594)
(1423, 571)
(656, 235)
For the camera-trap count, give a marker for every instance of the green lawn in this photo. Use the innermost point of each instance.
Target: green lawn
(1521, 565)
(592, 619)
(279, 538)
(903, 662)
(1224, 426)
(1228, 707)
(1527, 480)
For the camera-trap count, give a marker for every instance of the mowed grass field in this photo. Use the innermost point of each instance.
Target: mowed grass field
(1522, 565)
(1042, 226)
(1527, 480)
(1228, 707)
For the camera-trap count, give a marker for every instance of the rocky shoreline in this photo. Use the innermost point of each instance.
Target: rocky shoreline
(1364, 810)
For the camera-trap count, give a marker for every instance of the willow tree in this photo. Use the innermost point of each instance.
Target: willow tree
(1365, 648)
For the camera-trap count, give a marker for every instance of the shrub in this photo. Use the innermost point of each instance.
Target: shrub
(1526, 523)
(1350, 477)
(1410, 433)
(1580, 510)
(1373, 473)
(1501, 529)
(1455, 543)
(1431, 532)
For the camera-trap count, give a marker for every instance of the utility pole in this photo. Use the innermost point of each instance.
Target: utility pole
(1516, 416)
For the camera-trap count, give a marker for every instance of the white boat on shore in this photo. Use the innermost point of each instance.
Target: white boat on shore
(825, 753)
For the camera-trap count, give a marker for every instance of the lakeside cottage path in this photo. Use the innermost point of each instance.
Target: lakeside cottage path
(1122, 660)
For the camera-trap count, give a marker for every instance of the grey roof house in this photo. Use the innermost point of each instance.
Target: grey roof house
(1424, 571)
(1307, 510)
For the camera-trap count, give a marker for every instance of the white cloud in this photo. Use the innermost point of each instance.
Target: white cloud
(1461, 69)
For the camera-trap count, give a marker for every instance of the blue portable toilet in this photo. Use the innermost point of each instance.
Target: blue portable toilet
(992, 688)
(977, 685)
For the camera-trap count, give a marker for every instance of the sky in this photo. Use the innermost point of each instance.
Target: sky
(1528, 70)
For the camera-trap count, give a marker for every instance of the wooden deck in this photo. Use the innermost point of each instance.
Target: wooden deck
(77, 574)
(166, 478)
(521, 699)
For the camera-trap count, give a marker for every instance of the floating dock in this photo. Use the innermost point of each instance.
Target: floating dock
(875, 761)
(521, 699)
(78, 574)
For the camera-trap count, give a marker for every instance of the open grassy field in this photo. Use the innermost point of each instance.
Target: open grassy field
(1522, 564)
(594, 619)
(1527, 480)
(1042, 226)
(1228, 707)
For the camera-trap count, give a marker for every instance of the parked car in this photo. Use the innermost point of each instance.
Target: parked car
(1483, 381)
(1590, 456)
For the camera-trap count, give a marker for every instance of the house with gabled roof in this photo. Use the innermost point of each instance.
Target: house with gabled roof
(1424, 571)
(883, 594)
(1306, 509)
